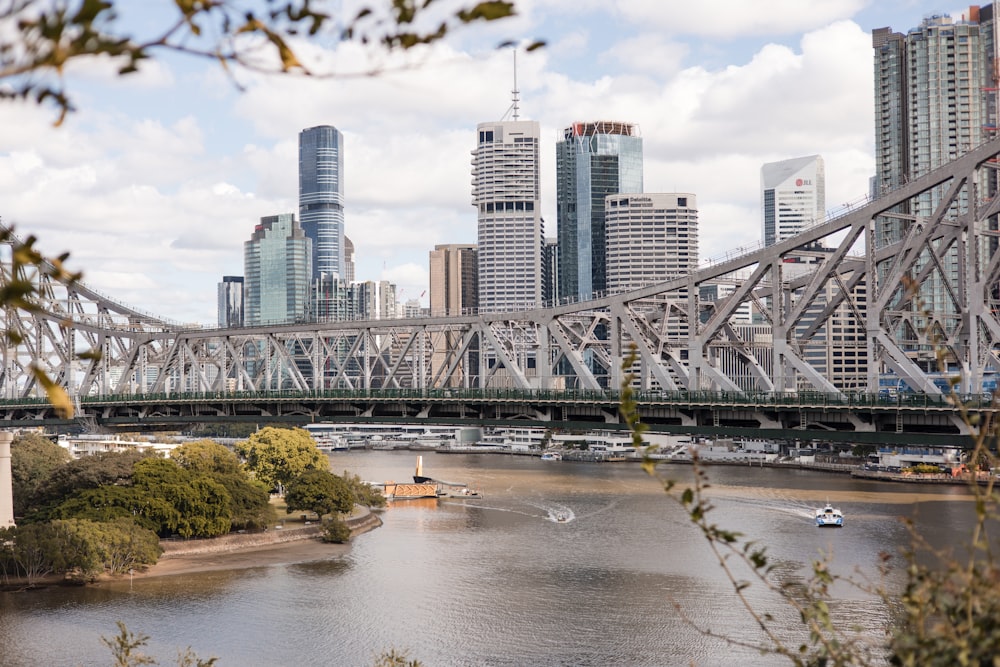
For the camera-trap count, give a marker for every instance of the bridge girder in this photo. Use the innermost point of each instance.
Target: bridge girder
(840, 285)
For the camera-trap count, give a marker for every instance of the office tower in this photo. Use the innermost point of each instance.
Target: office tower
(506, 194)
(277, 262)
(454, 280)
(348, 261)
(593, 160)
(321, 197)
(651, 237)
(550, 271)
(935, 96)
(793, 196)
(230, 302)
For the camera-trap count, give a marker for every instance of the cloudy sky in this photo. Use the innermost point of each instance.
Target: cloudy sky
(156, 182)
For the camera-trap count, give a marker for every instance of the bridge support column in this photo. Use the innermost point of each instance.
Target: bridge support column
(6, 481)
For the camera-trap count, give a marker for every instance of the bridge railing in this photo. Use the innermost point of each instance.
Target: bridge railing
(608, 398)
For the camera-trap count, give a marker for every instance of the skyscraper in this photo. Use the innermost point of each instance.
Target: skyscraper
(651, 237)
(593, 160)
(321, 197)
(935, 99)
(454, 280)
(506, 194)
(793, 196)
(277, 265)
(935, 96)
(230, 301)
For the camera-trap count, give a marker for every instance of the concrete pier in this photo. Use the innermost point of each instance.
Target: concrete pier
(6, 481)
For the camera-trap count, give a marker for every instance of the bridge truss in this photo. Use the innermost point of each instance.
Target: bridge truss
(878, 291)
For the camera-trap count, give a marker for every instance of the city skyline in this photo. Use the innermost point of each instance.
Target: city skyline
(153, 193)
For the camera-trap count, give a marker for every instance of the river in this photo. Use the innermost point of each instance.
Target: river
(499, 580)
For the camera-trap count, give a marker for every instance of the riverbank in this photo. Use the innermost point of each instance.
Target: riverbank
(281, 546)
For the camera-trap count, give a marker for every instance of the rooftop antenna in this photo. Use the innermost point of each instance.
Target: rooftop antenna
(515, 94)
(514, 110)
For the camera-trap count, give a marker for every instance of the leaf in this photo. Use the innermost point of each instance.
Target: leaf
(57, 396)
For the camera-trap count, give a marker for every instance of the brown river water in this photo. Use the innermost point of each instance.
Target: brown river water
(500, 580)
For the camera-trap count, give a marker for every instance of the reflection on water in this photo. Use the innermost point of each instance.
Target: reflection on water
(558, 564)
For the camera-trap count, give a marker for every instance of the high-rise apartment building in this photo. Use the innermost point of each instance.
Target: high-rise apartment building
(935, 96)
(454, 280)
(793, 196)
(935, 99)
(593, 160)
(277, 267)
(321, 197)
(376, 300)
(651, 237)
(506, 194)
(230, 302)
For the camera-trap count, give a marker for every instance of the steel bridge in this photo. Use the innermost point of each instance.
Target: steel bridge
(875, 292)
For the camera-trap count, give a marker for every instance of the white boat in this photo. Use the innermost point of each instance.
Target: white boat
(552, 456)
(829, 515)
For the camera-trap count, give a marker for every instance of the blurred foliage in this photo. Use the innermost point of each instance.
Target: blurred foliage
(43, 39)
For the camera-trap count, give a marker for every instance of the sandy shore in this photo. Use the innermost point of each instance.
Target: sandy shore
(299, 551)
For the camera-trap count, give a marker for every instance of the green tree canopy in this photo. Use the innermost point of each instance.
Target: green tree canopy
(319, 491)
(33, 458)
(275, 456)
(201, 504)
(88, 472)
(206, 456)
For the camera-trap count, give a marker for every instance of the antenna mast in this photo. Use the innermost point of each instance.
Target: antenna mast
(515, 94)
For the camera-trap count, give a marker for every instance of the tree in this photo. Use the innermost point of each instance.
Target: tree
(277, 455)
(125, 651)
(88, 472)
(45, 38)
(206, 456)
(364, 493)
(33, 457)
(201, 505)
(249, 504)
(319, 491)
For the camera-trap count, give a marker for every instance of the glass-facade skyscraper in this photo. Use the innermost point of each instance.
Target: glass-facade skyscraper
(321, 197)
(230, 301)
(277, 267)
(593, 160)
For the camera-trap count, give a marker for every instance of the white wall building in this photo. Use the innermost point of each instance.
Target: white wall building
(506, 194)
(793, 196)
(650, 237)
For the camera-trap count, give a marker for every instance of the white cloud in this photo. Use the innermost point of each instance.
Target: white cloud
(155, 204)
(732, 18)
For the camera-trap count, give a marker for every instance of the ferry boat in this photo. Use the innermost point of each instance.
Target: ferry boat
(829, 515)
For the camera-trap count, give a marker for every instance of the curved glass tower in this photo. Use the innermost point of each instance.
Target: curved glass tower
(593, 160)
(321, 197)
